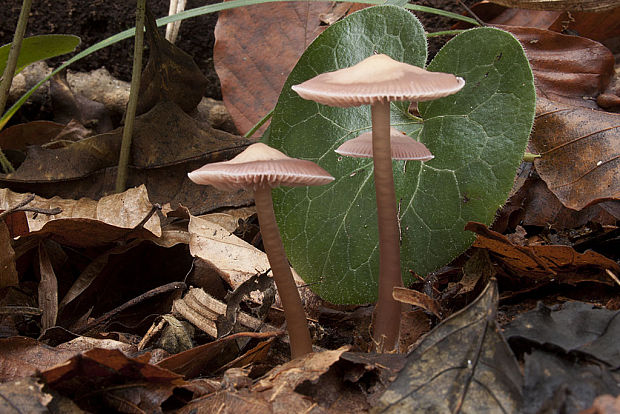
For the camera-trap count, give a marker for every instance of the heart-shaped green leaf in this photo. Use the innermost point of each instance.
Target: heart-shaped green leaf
(478, 137)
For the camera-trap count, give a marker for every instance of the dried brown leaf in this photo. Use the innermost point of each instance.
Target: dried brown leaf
(48, 289)
(568, 69)
(211, 356)
(69, 106)
(8, 272)
(170, 74)
(595, 26)
(21, 357)
(24, 396)
(120, 381)
(235, 259)
(587, 141)
(252, 77)
(413, 297)
(577, 5)
(20, 136)
(545, 263)
(108, 219)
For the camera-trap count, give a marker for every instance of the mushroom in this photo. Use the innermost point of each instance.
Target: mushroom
(261, 168)
(403, 147)
(376, 81)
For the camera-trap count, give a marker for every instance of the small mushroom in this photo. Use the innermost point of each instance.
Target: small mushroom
(376, 81)
(261, 168)
(403, 147)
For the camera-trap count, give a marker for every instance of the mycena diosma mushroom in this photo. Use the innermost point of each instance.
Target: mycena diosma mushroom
(376, 81)
(261, 168)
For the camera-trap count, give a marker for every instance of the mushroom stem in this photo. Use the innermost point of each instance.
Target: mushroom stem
(386, 317)
(294, 313)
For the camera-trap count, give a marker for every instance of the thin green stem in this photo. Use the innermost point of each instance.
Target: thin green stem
(445, 33)
(259, 124)
(9, 70)
(386, 317)
(130, 115)
(199, 11)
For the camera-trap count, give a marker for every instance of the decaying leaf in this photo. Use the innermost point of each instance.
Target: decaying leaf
(307, 384)
(170, 74)
(94, 268)
(8, 272)
(252, 77)
(20, 136)
(163, 136)
(234, 259)
(575, 327)
(595, 26)
(120, 381)
(545, 263)
(69, 105)
(108, 219)
(21, 357)
(203, 310)
(24, 396)
(586, 140)
(463, 365)
(211, 356)
(413, 297)
(568, 69)
(581, 5)
(555, 383)
(48, 289)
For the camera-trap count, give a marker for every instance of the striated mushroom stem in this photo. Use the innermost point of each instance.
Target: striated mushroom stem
(386, 317)
(294, 313)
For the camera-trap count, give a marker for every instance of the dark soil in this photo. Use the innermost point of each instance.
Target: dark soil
(96, 20)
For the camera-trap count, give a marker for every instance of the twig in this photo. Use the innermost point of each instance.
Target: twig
(130, 115)
(21, 206)
(147, 295)
(470, 11)
(9, 70)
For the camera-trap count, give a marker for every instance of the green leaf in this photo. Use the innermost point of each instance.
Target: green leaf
(37, 48)
(478, 137)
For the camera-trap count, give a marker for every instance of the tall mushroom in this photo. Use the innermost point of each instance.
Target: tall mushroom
(378, 80)
(261, 168)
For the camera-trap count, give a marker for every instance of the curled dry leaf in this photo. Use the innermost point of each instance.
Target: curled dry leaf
(413, 297)
(233, 258)
(545, 263)
(278, 391)
(166, 144)
(586, 140)
(127, 381)
(108, 218)
(251, 76)
(577, 5)
(69, 105)
(21, 136)
(211, 356)
(170, 74)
